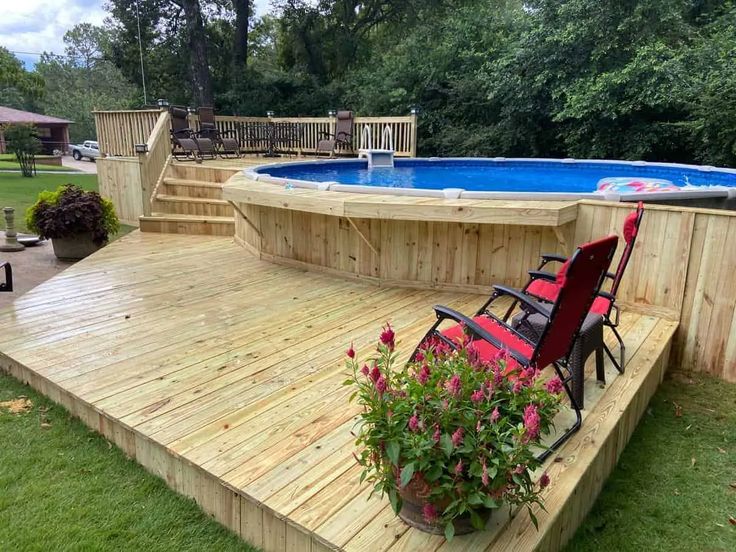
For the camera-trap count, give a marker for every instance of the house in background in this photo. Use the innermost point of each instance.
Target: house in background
(53, 132)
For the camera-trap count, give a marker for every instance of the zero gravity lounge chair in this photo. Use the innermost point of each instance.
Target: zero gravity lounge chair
(543, 286)
(343, 136)
(185, 144)
(489, 335)
(226, 141)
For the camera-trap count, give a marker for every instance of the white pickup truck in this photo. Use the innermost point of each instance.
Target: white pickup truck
(89, 149)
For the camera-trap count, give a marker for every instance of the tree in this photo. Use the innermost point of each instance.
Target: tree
(240, 38)
(196, 40)
(22, 140)
(83, 81)
(19, 88)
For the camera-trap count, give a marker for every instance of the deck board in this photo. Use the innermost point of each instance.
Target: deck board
(222, 373)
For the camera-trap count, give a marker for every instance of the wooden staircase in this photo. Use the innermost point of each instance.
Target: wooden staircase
(189, 201)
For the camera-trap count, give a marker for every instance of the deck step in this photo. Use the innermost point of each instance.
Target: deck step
(185, 205)
(188, 224)
(191, 188)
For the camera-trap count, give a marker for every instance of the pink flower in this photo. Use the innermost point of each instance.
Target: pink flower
(477, 396)
(459, 467)
(430, 514)
(495, 415)
(419, 357)
(531, 422)
(554, 385)
(423, 375)
(381, 385)
(388, 336)
(497, 375)
(414, 423)
(518, 386)
(350, 352)
(437, 434)
(458, 436)
(529, 374)
(519, 469)
(484, 478)
(502, 355)
(544, 480)
(375, 373)
(453, 385)
(365, 370)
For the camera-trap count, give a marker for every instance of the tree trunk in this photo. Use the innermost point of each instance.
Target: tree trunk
(240, 45)
(201, 82)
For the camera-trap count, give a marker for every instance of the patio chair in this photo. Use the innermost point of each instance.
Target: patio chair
(543, 285)
(343, 136)
(7, 285)
(185, 145)
(226, 141)
(489, 335)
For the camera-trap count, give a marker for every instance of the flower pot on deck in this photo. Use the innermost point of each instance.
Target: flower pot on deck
(413, 500)
(74, 248)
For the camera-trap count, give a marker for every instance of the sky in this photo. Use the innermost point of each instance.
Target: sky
(29, 27)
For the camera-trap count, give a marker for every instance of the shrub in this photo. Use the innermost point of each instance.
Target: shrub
(70, 210)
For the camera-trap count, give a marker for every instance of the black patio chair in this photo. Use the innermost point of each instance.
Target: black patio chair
(343, 136)
(227, 142)
(185, 145)
(7, 285)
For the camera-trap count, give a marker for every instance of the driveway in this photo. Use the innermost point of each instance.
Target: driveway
(84, 165)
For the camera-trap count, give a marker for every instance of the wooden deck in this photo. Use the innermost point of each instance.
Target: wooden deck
(222, 374)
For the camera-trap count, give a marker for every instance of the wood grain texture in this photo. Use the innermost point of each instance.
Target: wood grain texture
(222, 374)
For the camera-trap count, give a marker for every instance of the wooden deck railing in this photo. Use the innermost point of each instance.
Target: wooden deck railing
(119, 131)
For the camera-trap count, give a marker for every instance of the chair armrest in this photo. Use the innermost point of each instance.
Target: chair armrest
(182, 133)
(542, 275)
(527, 301)
(550, 258)
(326, 134)
(348, 136)
(444, 313)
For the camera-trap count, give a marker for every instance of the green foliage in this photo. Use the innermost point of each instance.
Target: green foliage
(649, 79)
(69, 211)
(83, 81)
(19, 89)
(450, 430)
(23, 141)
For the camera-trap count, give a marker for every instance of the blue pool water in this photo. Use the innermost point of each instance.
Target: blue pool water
(495, 175)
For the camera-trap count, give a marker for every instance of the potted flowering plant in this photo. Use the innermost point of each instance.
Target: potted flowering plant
(450, 438)
(78, 222)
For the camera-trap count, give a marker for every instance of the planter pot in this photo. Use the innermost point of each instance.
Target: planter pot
(413, 499)
(75, 247)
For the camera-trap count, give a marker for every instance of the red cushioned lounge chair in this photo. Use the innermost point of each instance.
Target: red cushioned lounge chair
(543, 286)
(489, 335)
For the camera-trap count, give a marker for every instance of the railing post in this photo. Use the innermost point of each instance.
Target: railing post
(413, 131)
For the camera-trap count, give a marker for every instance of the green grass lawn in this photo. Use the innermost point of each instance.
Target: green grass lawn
(63, 487)
(8, 161)
(21, 192)
(675, 485)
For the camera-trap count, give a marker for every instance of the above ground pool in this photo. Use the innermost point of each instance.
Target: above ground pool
(506, 178)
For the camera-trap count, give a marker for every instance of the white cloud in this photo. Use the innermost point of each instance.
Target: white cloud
(37, 26)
